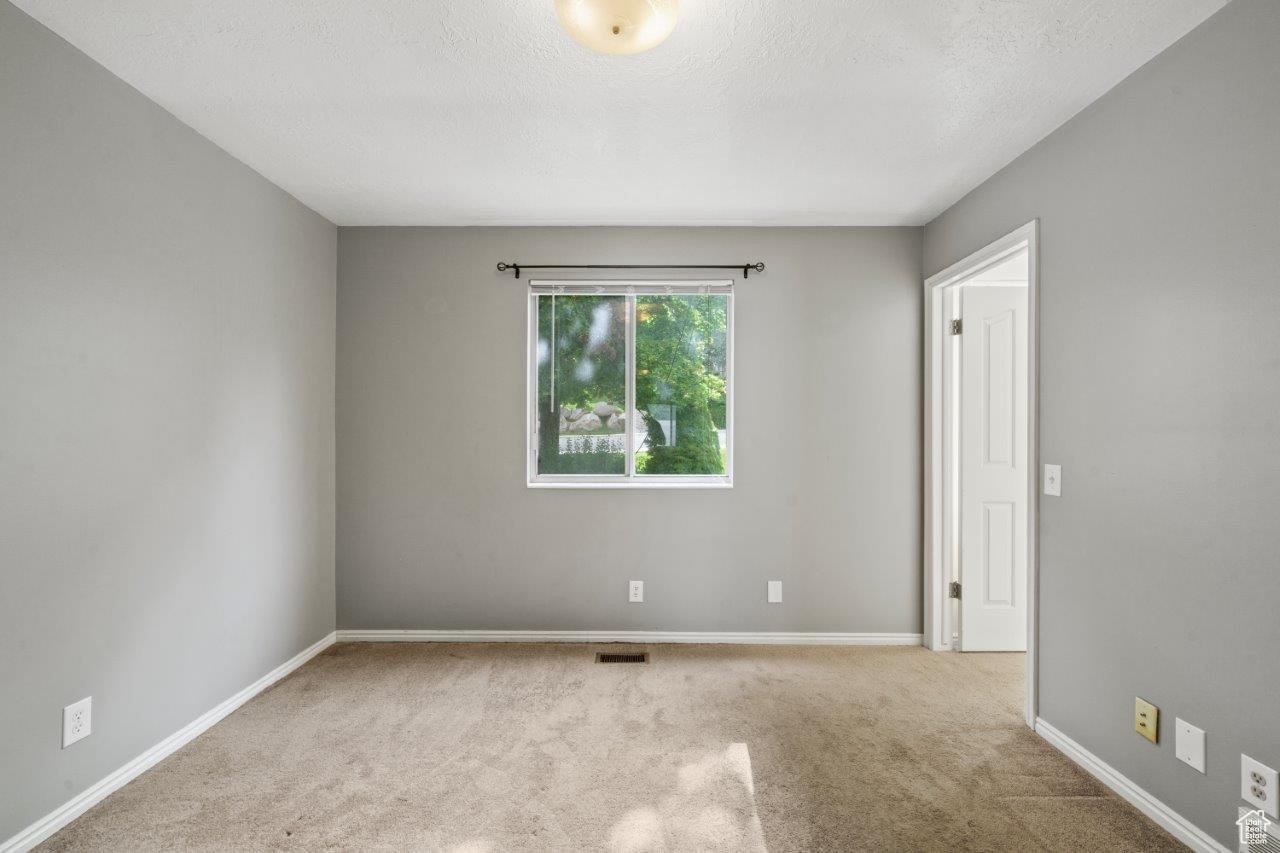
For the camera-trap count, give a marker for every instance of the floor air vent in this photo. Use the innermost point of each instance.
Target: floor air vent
(622, 657)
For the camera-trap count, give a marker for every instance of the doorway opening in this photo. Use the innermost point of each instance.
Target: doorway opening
(981, 454)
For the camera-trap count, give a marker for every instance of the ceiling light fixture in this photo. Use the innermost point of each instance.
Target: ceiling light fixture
(618, 26)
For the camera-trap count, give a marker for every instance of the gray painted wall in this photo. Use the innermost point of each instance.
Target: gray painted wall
(438, 530)
(1160, 396)
(166, 424)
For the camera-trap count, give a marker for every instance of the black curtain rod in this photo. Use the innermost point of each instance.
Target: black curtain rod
(503, 266)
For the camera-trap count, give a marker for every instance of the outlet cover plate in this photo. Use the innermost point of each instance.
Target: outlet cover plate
(1188, 743)
(1146, 719)
(635, 592)
(1258, 785)
(775, 592)
(77, 721)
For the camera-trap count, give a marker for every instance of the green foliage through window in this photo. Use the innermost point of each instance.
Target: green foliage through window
(680, 356)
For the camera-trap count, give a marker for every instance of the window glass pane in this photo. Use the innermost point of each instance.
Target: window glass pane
(582, 377)
(681, 394)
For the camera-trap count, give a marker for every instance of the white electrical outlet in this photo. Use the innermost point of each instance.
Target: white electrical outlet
(1258, 785)
(1053, 480)
(775, 592)
(77, 721)
(635, 592)
(1189, 743)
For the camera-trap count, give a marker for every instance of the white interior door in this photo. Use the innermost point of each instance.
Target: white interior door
(993, 468)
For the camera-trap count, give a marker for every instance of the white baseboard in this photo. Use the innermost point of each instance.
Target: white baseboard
(1172, 822)
(87, 799)
(765, 638)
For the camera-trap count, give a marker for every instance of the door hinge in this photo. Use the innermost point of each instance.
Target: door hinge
(955, 589)
(957, 327)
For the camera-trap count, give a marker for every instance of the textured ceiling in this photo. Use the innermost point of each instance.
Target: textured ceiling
(827, 112)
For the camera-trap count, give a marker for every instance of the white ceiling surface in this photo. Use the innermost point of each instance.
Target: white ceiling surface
(806, 112)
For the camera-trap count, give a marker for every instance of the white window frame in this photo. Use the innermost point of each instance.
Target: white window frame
(630, 480)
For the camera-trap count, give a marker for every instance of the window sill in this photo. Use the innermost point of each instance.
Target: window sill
(721, 483)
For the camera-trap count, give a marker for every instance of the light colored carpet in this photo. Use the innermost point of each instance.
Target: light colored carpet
(404, 746)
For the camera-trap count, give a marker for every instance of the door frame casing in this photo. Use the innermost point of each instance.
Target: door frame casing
(936, 633)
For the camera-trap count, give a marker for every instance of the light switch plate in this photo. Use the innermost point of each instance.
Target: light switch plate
(1053, 480)
(1188, 743)
(1146, 719)
(1258, 785)
(775, 592)
(635, 592)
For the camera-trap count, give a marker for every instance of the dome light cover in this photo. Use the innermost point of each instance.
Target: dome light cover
(618, 27)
